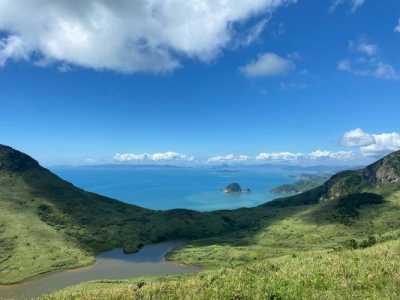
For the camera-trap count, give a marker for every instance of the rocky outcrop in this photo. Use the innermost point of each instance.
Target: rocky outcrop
(382, 173)
(235, 188)
(385, 171)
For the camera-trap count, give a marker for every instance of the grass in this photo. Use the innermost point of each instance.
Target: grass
(293, 230)
(311, 275)
(29, 246)
(305, 183)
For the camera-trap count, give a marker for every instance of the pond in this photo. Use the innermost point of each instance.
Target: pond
(114, 265)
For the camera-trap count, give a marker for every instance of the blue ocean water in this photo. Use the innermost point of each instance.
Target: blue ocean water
(164, 188)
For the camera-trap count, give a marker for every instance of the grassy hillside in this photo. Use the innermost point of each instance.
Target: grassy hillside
(50, 225)
(304, 183)
(371, 273)
(338, 241)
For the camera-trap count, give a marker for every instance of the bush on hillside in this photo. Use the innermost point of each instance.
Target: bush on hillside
(347, 207)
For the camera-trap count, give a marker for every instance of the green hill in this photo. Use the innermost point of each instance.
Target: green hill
(48, 224)
(335, 241)
(304, 183)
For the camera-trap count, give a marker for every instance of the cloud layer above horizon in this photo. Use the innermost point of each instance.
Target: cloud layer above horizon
(155, 157)
(363, 146)
(125, 36)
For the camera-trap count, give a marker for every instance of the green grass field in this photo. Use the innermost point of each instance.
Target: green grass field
(371, 273)
(293, 230)
(28, 245)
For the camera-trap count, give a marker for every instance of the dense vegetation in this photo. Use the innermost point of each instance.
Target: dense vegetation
(304, 183)
(339, 240)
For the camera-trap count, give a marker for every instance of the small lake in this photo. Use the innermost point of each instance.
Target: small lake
(149, 261)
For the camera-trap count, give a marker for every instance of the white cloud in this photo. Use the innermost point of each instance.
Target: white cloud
(384, 143)
(229, 158)
(323, 154)
(12, 47)
(357, 138)
(156, 157)
(367, 62)
(370, 68)
(280, 156)
(372, 144)
(315, 155)
(126, 36)
(254, 32)
(268, 64)
(397, 28)
(355, 4)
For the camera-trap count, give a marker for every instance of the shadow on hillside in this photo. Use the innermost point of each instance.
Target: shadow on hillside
(350, 210)
(99, 223)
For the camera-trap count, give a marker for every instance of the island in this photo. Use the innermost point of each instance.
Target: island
(235, 188)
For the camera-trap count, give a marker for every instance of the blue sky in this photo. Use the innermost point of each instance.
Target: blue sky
(255, 81)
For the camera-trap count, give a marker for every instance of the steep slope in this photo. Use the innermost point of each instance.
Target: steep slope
(385, 173)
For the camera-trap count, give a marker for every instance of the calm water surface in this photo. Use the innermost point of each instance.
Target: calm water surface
(169, 188)
(109, 265)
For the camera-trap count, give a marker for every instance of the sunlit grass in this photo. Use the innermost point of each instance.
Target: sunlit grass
(372, 273)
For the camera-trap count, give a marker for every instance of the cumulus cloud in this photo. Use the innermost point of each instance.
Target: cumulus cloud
(357, 138)
(383, 144)
(323, 154)
(228, 158)
(156, 157)
(367, 62)
(126, 36)
(354, 4)
(279, 156)
(268, 64)
(373, 145)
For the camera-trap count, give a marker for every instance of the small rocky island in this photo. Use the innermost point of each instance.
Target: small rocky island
(235, 188)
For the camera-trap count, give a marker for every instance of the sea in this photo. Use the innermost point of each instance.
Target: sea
(166, 187)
